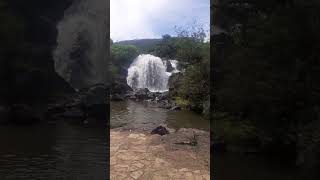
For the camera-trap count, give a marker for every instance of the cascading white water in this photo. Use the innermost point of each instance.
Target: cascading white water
(174, 64)
(148, 71)
(81, 53)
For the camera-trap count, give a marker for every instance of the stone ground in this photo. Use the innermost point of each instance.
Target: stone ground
(136, 155)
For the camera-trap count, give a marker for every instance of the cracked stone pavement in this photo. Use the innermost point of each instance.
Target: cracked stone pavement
(143, 156)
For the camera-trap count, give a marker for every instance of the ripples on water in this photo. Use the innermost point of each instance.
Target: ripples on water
(59, 151)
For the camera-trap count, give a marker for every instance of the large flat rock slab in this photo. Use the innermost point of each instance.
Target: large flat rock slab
(146, 157)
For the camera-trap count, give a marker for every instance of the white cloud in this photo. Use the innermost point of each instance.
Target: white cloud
(134, 19)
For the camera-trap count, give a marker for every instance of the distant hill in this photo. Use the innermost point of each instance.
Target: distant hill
(143, 44)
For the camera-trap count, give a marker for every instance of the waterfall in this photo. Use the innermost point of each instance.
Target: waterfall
(148, 71)
(174, 64)
(81, 53)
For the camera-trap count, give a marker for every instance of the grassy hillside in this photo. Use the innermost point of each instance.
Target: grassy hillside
(144, 45)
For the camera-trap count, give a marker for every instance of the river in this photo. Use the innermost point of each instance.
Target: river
(53, 151)
(138, 116)
(68, 151)
(143, 116)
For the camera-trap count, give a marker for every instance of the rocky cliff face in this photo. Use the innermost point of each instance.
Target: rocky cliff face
(174, 83)
(81, 53)
(30, 73)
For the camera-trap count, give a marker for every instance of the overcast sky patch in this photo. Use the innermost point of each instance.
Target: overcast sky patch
(142, 19)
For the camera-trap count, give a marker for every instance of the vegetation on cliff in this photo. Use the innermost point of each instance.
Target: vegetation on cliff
(266, 75)
(192, 52)
(121, 58)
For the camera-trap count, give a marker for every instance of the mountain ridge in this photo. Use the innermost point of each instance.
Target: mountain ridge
(142, 44)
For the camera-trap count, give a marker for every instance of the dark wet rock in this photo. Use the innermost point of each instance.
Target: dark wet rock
(35, 79)
(176, 108)
(165, 104)
(29, 84)
(163, 96)
(96, 94)
(87, 105)
(151, 95)
(116, 97)
(169, 67)
(95, 103)
(24, 114)
(160, 130)
(133, 97)
(120, 86)
(74, 113)
(142, 93)
(174, 83)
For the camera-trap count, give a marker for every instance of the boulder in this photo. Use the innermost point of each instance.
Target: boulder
(176, 108)
(151, 95)
(96, 94)
(160, 130)
(35, 79)
(120, 86)
(95, 103)
(116, 97)
(133, 97)
(163, 96)
(142, 94)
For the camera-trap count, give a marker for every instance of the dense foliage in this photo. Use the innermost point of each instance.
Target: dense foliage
(121, 58)
(143, 45)
(193, 54)
(266, 74)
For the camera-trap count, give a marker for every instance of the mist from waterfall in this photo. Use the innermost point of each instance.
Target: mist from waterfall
(81, 53)
(148, 71)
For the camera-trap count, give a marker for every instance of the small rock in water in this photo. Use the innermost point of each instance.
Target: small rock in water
(160, 130)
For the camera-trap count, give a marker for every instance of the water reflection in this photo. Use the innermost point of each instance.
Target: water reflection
(59, 151)
(133, 115)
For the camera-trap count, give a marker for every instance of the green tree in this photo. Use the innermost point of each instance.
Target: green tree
(167, 48)
(121, 57)
(268, 75)
(193, 54)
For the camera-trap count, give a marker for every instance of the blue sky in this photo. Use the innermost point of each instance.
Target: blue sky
(137, 19)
